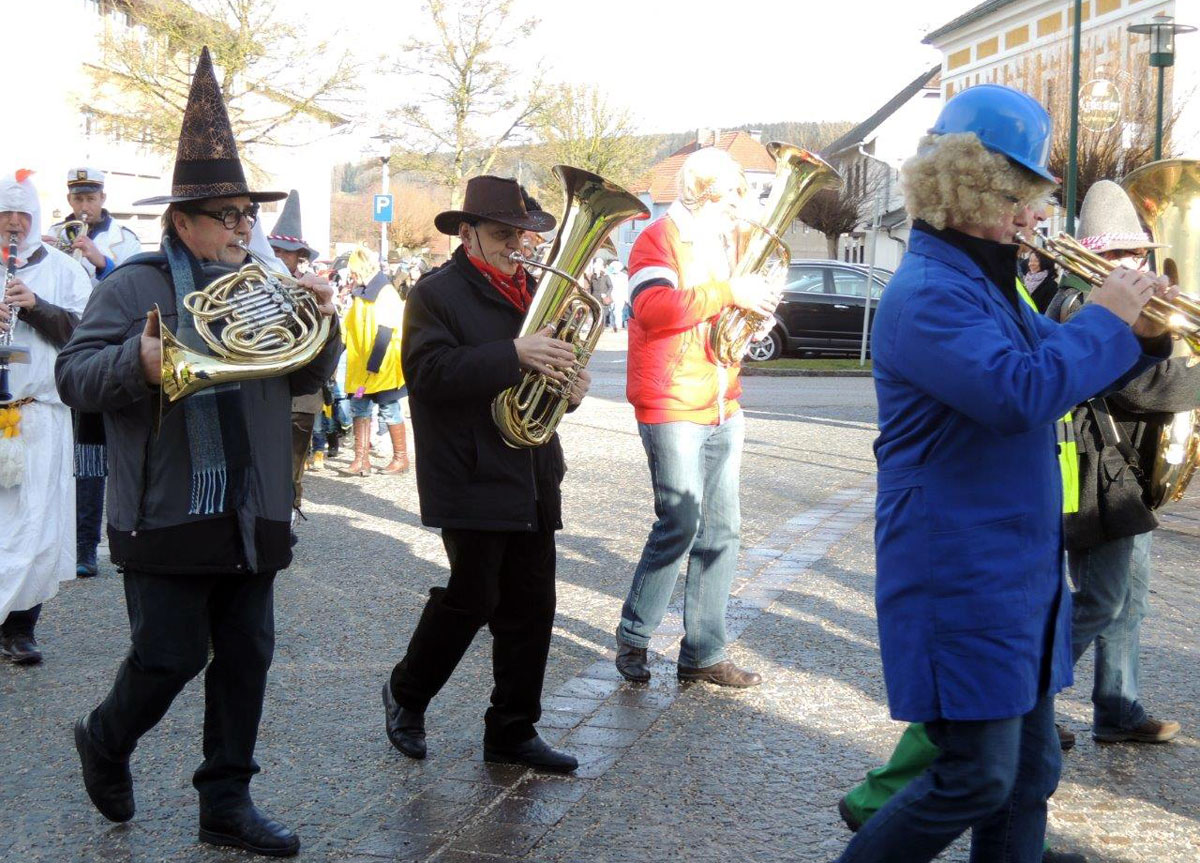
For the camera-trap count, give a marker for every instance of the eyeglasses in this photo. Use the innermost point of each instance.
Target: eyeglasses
(231, 217)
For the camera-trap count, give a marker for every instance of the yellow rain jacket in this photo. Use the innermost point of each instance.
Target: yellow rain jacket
(372, 334)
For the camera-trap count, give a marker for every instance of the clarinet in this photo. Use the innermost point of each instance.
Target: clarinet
(7, 336)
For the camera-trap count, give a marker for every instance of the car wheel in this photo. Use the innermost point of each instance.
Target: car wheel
(770, 348)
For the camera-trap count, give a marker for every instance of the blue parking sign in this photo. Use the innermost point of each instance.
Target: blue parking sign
(383, 208)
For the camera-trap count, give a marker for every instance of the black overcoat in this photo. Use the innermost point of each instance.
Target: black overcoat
(458, 354)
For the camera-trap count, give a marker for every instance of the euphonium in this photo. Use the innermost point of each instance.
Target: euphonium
(257, 323)
(799, 175)
(528, 413)
(1166, 195)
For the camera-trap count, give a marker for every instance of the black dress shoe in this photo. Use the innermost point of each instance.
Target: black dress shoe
(22, 649)
(631, 662)
(108, 783)
(848, 816)
(1049, 856)
(724, 673)
(249, 829)
(535, 753)
(405, 728)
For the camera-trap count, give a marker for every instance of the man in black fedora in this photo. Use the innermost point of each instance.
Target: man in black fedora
(198, 508)
(498, 507)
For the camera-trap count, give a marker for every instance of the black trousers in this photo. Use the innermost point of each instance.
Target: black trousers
(173, 619)
(504, 580)
(21, 622)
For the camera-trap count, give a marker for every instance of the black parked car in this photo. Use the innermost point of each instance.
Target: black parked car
(821, 311)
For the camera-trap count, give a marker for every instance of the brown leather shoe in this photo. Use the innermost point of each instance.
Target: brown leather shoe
(1066, 737)
(724, 673)
(1149, 730)
(631, 662)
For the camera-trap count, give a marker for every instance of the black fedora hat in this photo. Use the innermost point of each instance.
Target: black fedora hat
(495, 199)
(207, 163)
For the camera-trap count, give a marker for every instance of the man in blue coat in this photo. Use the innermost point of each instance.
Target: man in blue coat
(973, 615)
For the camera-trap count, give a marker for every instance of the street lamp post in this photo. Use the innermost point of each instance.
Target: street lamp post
(1073, 129)
(1161, 30)
(876, 226)
(385, 157)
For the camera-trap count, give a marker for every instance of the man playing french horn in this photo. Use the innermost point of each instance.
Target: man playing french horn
(685, 400)
(498, 506)
(199, 500)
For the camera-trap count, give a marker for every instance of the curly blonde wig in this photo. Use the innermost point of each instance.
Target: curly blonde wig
(954, 180)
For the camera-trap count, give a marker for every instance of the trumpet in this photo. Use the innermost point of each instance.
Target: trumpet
(1180, 316)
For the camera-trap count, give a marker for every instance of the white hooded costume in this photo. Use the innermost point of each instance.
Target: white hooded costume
(37, 545)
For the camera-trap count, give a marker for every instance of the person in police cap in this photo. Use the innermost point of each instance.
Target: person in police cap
(198, 508)
(974, 618)
(498, 506)
(104, 246)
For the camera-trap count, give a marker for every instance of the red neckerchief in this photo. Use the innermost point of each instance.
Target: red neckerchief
(513, 288)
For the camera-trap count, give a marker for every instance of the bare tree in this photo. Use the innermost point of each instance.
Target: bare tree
(411, 230)
(835, 212)
(577, 126)
(1107, 154)
(142, 85)
(469, 102)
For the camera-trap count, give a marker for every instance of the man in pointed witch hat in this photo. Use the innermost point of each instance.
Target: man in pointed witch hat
(198, 511)
(287, 242)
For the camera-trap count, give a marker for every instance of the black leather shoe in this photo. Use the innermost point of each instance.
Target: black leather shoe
(631, 662)
(405, 728)
(108, 783)
(85, 563)
(1049, 856)
(848, 816)
(535, 753)
(724, 673)
(249, 829)
(21, 649)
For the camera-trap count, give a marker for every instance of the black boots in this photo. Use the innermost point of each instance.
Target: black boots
(108, 783)
(245, 827)
(405, 728)
(535, 753)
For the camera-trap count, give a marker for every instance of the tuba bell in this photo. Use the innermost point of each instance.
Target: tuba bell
(1166, 195)
(255, 323)
(528, 413)
(799, 175)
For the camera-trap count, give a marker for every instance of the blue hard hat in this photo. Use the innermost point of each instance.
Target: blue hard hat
(1006, 121)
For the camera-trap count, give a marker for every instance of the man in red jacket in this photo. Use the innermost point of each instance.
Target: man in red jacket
(688, 417)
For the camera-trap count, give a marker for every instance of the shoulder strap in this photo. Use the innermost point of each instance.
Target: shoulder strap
(1111, 434)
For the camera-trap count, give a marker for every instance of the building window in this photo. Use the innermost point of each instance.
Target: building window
(958, 58)
(987, 47)
(1049, 24)
(1017, 36)
(1087, 13)
(1103, 7)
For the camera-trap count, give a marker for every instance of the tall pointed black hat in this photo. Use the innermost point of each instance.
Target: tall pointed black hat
(287, 233)
(207, 163)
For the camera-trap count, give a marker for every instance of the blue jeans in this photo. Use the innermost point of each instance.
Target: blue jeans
(390, 412)
(695, 470)
(992, 777)
(339, 422)
(1111, 582)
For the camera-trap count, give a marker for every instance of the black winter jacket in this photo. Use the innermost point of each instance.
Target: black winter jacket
(458, 354)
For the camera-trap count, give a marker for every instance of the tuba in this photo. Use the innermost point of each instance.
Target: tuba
(799, 175)
(528, 413)
(256, 323)
(1166, 195)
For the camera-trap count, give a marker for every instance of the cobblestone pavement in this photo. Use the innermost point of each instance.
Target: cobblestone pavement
(667, 773)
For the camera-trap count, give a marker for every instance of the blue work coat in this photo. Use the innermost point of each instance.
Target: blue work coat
(974, 618)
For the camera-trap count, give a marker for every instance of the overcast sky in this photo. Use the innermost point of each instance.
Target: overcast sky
(681, 64)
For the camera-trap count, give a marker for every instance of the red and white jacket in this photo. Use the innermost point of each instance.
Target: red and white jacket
(678, 284)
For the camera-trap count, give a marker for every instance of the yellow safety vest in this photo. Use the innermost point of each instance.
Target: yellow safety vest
(1064, 438)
